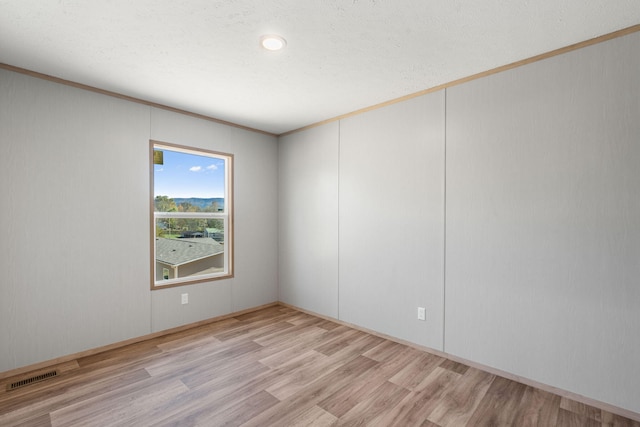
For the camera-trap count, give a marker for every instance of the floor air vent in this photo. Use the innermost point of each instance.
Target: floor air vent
(32, 379)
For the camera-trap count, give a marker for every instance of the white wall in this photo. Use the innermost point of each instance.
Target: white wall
(542, 220)
(392, 219)
(308, 246)
(256, 220)
(362, 219)
(74, 222)
(73, 194)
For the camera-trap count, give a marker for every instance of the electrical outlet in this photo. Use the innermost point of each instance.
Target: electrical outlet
(422, 313)
(185, 298)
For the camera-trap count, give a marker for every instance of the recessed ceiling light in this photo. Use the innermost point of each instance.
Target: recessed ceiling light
(272, 42)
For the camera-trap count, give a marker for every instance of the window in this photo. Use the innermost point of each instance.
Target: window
(192, 220)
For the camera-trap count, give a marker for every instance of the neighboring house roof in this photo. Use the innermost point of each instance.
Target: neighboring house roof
(183, 251)
(213, 230)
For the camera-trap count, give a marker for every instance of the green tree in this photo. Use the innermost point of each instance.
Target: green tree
(167, 225)
(164, 204)
(213, 207)
(187, 207)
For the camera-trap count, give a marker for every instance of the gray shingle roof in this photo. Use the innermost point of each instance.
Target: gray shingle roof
(182, 251)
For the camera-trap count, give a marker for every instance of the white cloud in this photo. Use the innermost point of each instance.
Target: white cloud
(195, 168)
(212, 167)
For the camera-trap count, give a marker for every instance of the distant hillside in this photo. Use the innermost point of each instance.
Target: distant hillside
(201, 203)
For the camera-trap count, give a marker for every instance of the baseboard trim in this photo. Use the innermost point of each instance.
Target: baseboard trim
(65, 360)
(526, 381)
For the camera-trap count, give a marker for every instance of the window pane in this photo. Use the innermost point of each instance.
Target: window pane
(189, 247)
(186, 182)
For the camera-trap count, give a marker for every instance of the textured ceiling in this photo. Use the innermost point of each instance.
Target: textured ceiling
(342, 55)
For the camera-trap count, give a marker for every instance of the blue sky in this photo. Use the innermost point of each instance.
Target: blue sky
(189, 175)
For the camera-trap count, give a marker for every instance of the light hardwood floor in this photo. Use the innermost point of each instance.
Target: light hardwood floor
(281, 367)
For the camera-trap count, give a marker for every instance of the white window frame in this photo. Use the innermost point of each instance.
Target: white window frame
(226, 216)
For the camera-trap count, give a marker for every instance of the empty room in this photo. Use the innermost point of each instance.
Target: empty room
(319, 213)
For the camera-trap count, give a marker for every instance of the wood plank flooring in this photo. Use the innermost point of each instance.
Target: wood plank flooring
(281, 367)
